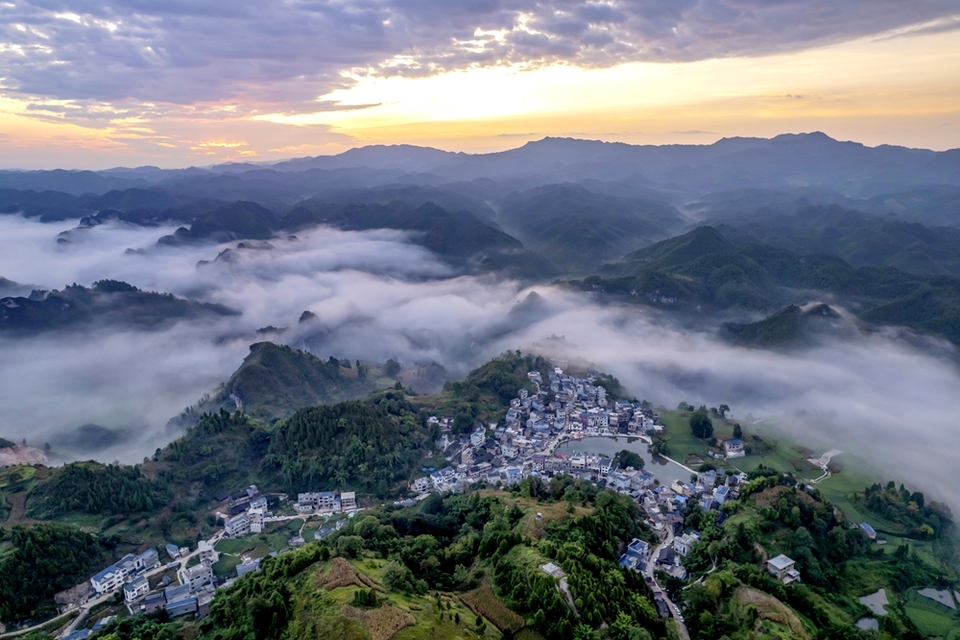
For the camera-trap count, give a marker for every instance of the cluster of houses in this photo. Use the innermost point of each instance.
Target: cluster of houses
(326, 502)
(129, 568)
(567, 407)
(193, 594)
(564, 407)
(245, 513)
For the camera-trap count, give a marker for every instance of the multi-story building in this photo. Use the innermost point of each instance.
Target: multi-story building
(135, 589)
(237, 526)
(348, 500)
(196, 577)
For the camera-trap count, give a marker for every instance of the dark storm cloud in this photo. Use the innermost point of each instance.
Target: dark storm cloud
(281, 56)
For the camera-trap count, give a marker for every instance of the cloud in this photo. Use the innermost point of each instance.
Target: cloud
(888, 405)
(694, 132)
(127, 58)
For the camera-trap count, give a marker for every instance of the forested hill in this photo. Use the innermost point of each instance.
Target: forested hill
(703, 270)
(275, 380)
(462, 566)
(107, 302)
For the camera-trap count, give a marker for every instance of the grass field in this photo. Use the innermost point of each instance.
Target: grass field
(931, 618)
(225, 566)
(234, 546)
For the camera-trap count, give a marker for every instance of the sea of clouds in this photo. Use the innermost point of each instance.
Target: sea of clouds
(887, 403)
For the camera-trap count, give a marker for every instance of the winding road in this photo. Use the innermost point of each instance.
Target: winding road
(674, 610)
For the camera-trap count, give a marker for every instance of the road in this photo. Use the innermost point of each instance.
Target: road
(674, 611)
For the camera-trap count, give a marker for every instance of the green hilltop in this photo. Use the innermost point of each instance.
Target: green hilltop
(704, 271)
(106, 302)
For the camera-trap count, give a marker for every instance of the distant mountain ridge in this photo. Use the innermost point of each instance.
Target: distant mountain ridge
(784, 160)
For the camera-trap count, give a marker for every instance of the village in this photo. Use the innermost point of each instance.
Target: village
(568, 409)
(563, 409)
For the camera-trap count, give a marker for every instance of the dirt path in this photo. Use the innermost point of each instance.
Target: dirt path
(18, 506)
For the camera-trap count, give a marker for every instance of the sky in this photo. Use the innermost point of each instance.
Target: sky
(175, 83)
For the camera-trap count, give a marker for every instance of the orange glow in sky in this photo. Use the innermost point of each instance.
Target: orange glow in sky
(882, 90)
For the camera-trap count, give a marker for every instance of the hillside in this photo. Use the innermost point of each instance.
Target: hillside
(107, 302)
(860, 239)
(459, 237)
(703, 271)
(274, 381)
(788, 326)
(464, 566)
(581, 229)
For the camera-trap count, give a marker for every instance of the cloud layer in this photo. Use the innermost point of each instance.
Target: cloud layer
(121, 58)
(885, 403)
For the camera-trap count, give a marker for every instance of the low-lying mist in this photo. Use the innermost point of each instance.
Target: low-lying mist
(378, 295)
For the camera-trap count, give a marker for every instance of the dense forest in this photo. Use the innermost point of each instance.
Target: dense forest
(44, 560)
(369, 446)
(908, 510)
(91, 487)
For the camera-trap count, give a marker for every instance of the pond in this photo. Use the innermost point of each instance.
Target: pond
(664, 471)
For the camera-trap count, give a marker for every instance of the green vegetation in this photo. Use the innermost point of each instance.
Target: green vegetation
(486, 392)
(274, 381)
(413, 572)
(625, 458)
(704, 269)
(106, 302)
(909, 511)
(97, 489)
(837, 564)
(44, 560)
(371, 446)
(787, 326)
(701, 426)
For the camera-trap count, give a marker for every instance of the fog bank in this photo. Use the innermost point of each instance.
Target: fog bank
(378, 296)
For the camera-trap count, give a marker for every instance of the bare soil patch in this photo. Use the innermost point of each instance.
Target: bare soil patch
(342, 574)
(382, 623)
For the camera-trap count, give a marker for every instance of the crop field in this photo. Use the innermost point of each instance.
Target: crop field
(484, 602)
(931, 617)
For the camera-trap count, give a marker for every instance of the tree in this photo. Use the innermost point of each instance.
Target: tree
(625, 458)
(350, 546)
(701, 425)
(391, 368)
(737, 431)
(722, 410)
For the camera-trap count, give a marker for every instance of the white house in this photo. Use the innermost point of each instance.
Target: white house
(256, 517)
(783, 568)
(734, 448)
(478, 437)
(683, 544)
(348, 500)
(135, 589)
(237, 526)
(197, 576)
(108, 580)
(206, 551)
